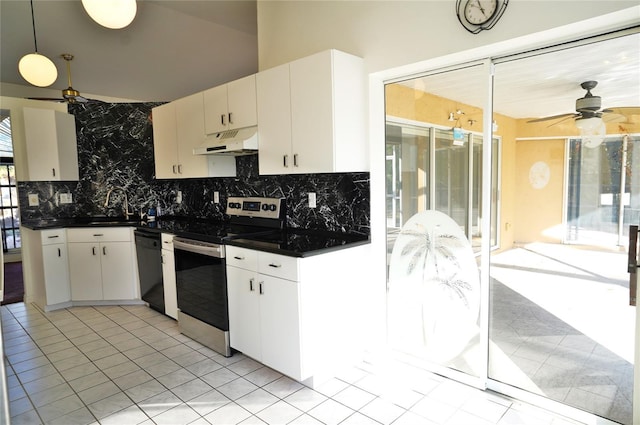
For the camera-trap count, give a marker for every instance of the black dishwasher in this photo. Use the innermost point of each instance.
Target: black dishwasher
(149, 253)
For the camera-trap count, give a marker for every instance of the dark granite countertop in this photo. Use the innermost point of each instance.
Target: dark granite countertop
(293, 242)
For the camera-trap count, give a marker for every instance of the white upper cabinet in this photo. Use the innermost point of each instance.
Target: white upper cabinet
(311, 115)
(230, 106)
(178, 127)
(52, 149)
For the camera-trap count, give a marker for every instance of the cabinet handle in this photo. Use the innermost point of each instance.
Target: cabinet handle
(179, 168)
(59, 253)
(277, 266)
(260, 285)
(222, 119)
(104, 250)
(285, 158)
(53, 171)
(53, 237)
(174, 169)
(230, 119)
(93, 249)
(251, 284)
(238, 258)
(98, 234)
(295, 159)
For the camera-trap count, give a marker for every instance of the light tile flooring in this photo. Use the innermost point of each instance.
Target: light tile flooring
(130, 365)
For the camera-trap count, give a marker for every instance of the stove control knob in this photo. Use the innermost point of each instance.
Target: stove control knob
(265, 207)
(272, 207)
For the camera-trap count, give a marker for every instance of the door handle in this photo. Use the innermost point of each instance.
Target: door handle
(632, 264)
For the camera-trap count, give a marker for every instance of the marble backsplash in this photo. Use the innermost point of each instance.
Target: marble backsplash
(115, 149)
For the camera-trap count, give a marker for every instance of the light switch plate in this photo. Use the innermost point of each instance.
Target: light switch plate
(179, 197)
(33, 200)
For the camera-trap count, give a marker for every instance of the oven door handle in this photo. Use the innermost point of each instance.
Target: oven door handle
(209, 250)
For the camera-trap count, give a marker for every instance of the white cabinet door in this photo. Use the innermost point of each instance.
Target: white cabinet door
(274, 121)
(244, 311)
(56, 272)
(279, 325)
(216, 110)
(84, 271)
(190, 133)
(117, 270)
(169, 283)
(52, 151)
(312, 124)
(241, 99)
(230, 106)
(165, 150)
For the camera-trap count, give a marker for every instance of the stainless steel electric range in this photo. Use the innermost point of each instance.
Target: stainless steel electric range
(200, 265)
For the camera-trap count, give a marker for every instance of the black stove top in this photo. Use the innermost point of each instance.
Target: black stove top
(206, 230)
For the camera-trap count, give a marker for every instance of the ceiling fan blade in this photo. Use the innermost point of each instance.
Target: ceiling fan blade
(623, 110)
(48, 99)
(608, 117)
(554, 117)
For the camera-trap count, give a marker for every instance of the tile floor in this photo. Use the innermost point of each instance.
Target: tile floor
(130, 365)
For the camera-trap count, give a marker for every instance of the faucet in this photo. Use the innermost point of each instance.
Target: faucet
(125, 204)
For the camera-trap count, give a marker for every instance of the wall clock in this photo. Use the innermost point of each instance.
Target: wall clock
(478, 15)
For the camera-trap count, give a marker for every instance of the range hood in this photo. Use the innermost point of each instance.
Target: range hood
(243, 141)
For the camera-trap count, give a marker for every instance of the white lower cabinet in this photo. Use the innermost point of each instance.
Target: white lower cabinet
(45, 267)
(169, 277)
(264, 311)
(101, 264)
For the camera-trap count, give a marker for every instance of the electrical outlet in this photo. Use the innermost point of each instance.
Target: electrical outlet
(312, 200)
(179, 197)
(66, 198)
(33, 200)
(216, 197)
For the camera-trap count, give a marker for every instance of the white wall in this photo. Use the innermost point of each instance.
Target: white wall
(392, 33)
(398, 38)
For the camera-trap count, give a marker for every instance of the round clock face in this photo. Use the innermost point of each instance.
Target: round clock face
(477, 12)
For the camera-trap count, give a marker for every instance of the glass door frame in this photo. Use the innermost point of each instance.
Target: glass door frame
(479, 381)
(488, 55)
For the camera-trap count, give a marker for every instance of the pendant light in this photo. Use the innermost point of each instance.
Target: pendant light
(114, 14)
(37, 69)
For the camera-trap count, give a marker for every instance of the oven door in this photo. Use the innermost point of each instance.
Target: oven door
(201, 281)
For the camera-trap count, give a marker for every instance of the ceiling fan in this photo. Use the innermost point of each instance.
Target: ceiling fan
(589, 106)
(69, 95)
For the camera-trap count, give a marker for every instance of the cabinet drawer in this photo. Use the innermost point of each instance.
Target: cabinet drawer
(111, 234)
(52, 236)
(244, 258)
(167, 240)
(278, 265)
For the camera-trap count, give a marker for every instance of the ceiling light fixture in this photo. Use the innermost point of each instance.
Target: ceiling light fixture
(37, 69)
(592, 131)
(114, 14)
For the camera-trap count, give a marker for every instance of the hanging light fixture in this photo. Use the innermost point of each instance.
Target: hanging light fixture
(592, 130)
(37, 69)
(114, 14)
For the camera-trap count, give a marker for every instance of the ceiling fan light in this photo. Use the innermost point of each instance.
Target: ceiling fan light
(592, 131)
(114, 14)
(38, 69)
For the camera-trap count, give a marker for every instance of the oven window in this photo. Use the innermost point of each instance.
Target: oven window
(201, 283)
